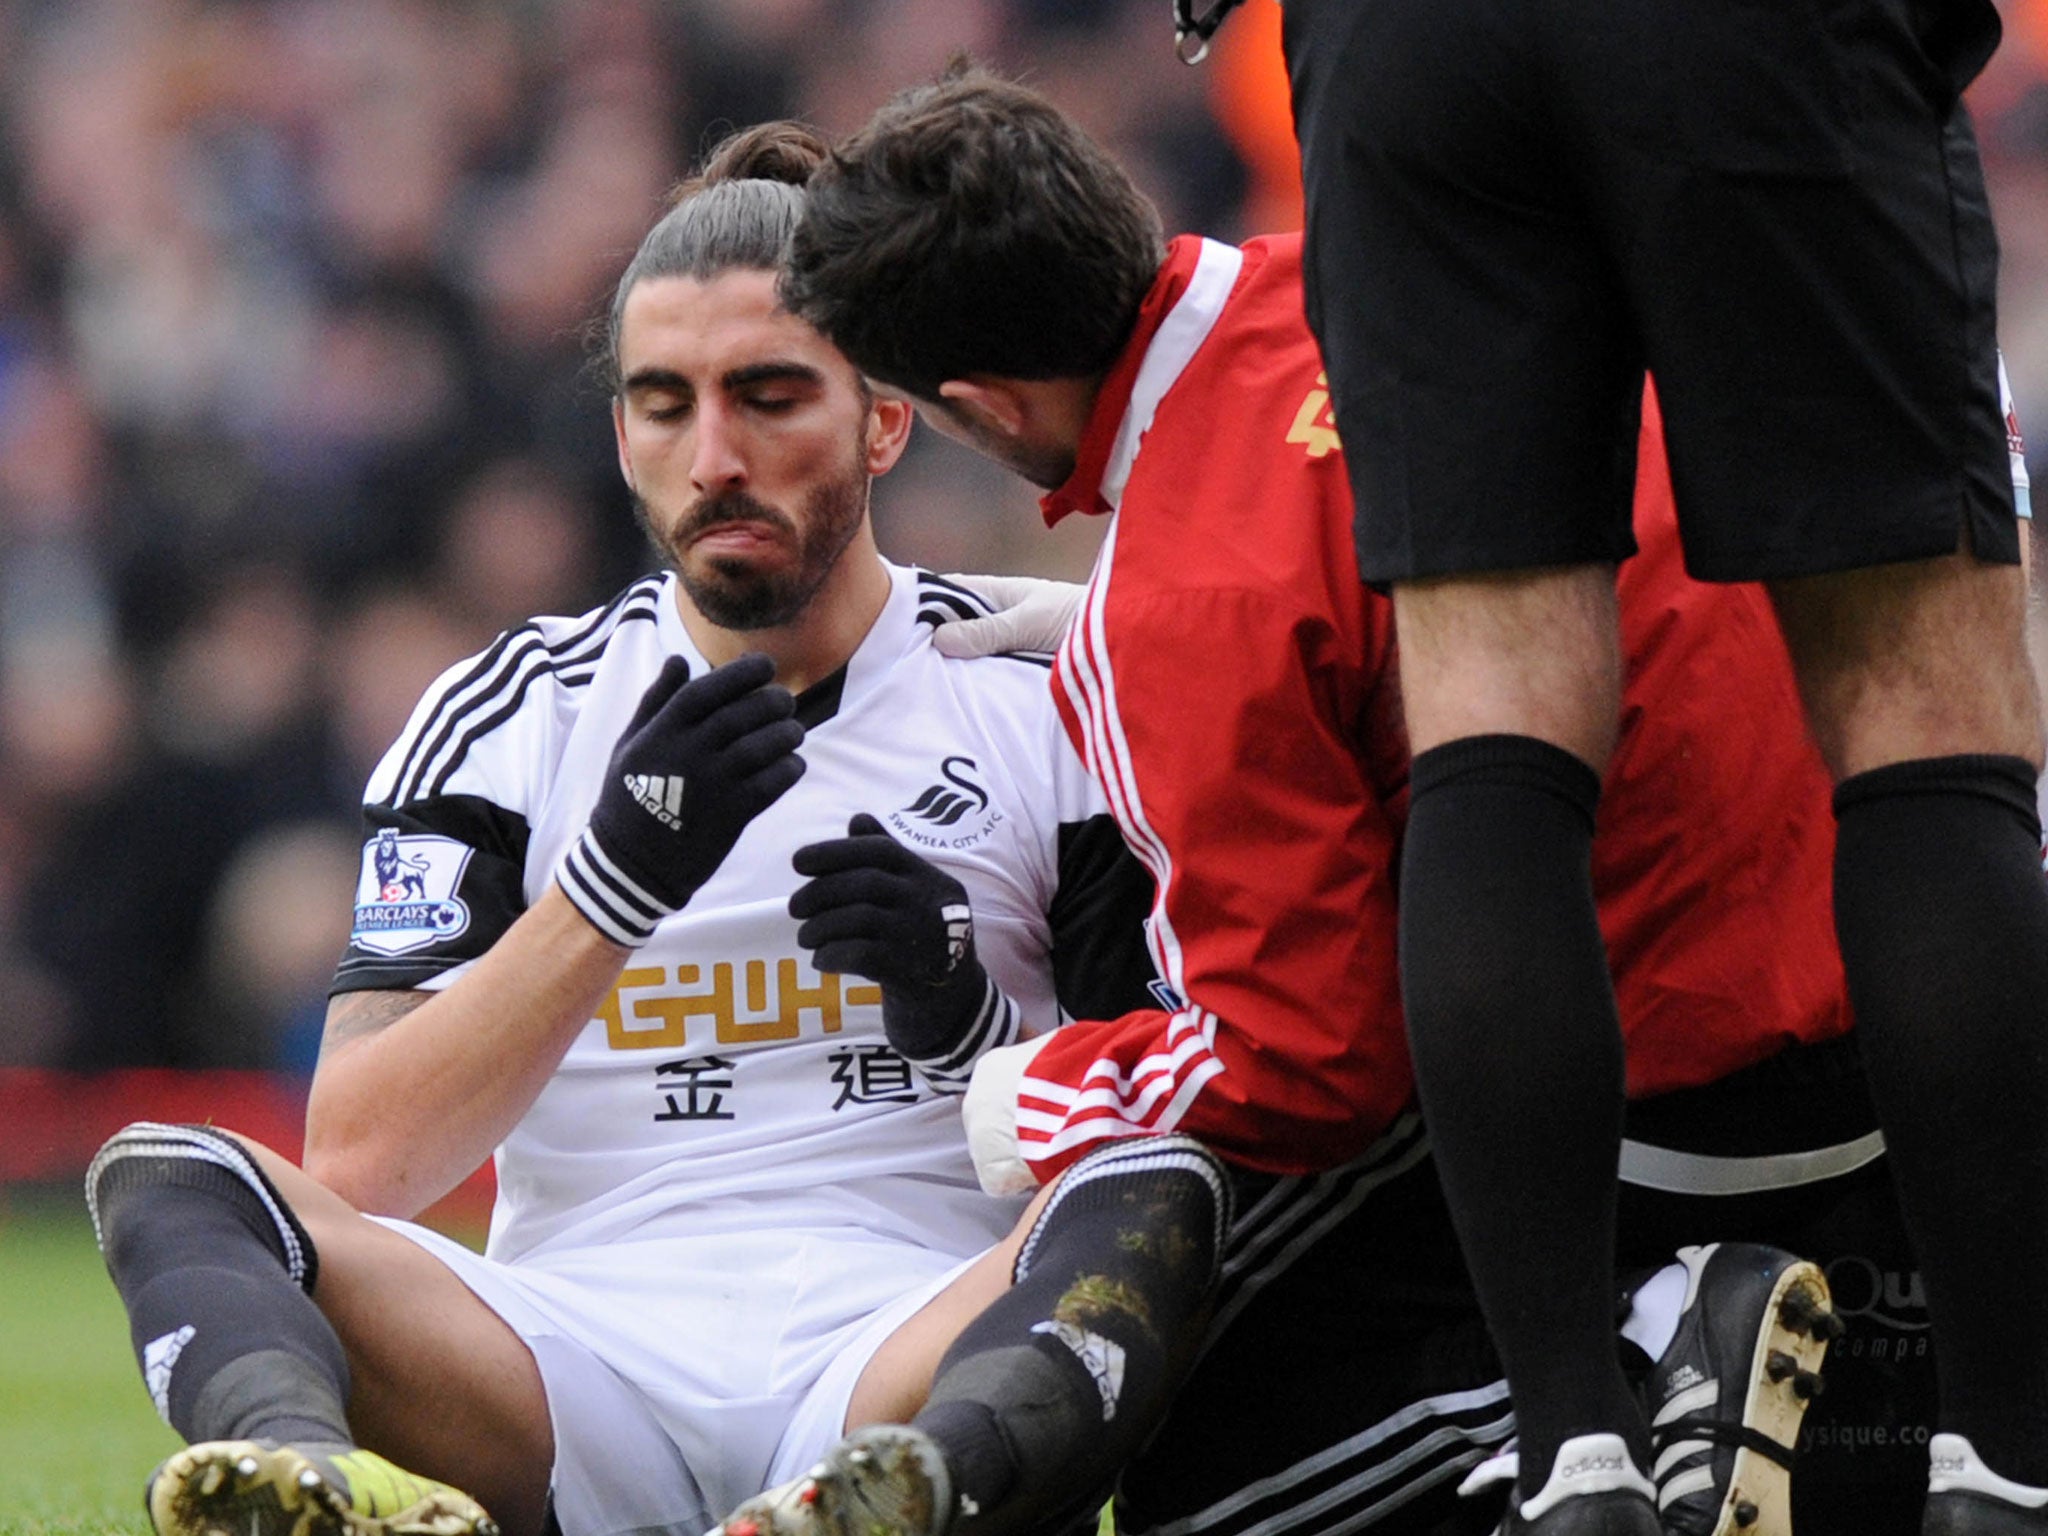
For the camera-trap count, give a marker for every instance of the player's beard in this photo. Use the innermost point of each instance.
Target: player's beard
(740, 594)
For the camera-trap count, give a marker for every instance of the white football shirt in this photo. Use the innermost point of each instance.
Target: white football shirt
(726, 1085)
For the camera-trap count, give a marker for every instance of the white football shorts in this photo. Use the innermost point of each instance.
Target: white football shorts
(686, 1374)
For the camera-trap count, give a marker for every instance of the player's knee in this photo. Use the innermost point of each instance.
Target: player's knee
(1513, 653)
(162, 1194)
(1863, 724)
(1923, 659)
(1150, 1213)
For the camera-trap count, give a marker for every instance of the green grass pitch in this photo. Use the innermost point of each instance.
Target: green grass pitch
(77, 1433)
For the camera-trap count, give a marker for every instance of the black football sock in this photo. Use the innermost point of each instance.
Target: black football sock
(215, 1272)
(1046, 1394)
(1518, 1055)
(1943, 918)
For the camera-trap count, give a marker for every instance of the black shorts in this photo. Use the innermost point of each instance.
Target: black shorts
(1515, 207)
(1349, 1382)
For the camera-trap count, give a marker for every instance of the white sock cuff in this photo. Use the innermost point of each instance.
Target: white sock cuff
(1655, 1309)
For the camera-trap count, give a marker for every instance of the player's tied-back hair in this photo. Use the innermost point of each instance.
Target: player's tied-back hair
(735, 214)
(971, 228)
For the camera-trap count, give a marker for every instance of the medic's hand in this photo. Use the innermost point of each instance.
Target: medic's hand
(1034, 615)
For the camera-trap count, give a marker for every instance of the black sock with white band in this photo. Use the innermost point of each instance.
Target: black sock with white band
(1063, 1377)
(215, 1272)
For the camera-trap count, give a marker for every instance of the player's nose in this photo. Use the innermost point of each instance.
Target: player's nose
(717, 460)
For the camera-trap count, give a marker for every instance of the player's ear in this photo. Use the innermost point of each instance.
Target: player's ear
(619, 435)
(993, 405)
(888, 432)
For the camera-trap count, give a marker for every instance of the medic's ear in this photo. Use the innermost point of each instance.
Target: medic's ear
(995, 406)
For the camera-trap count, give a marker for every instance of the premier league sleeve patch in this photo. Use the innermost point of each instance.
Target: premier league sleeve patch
(405, 895)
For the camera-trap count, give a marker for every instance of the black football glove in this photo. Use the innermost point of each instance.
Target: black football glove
(699, 761)
(872, 908)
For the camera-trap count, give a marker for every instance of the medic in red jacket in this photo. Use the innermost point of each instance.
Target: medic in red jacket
(1234, 687)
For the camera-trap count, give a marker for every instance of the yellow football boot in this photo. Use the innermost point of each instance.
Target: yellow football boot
(248, 1488)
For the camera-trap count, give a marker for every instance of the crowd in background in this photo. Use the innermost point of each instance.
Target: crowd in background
(294, 408)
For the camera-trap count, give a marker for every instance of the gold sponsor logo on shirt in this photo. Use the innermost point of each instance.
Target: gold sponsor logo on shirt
(747, 1003)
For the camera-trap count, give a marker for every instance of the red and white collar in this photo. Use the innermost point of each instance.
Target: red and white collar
(1175, 318)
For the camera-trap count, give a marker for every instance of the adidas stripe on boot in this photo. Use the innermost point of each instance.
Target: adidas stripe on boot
(1726, 1397)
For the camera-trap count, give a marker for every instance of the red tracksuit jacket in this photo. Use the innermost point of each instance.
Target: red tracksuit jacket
(1232, 684)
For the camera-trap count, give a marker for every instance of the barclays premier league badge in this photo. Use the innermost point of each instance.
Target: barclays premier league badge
(405, 896)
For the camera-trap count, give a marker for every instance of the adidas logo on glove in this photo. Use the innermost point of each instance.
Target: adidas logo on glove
(659, 794)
